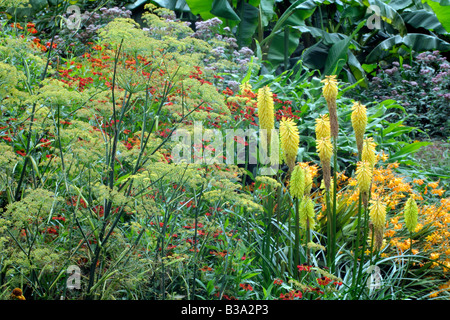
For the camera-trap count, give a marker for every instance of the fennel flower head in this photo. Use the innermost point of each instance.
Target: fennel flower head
(359, 123)
(290, 140)
(411, 213)
(297, 182)
(265, 110)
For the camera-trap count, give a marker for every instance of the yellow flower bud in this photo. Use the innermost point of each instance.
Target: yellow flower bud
(307, 213)
(323, 127)
(324, 148)
(364, 175)
(265, 110)
(378, 214)
(368, 152)
(297, 183)
(359, 123)
(411, 212)
(308, 180)
(290, 140)
(330, 89)
(246, 86)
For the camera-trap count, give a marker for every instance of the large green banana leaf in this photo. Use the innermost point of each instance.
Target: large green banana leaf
(415, 41)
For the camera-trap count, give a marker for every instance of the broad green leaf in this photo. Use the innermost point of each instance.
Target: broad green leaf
(388, 14)
(415, 41)
(368, 68)
(266, 11)
(201, 7)
(442, 11)
(249, 16)
(136, 4)
(281, 22)
(337, 56)
(277, 49)
(423, 19)
(357, 70)
(315, 56)
(174, 5)
(400, 4)
(295, 20)
(308, 7)
(328, 38)
(223, 9)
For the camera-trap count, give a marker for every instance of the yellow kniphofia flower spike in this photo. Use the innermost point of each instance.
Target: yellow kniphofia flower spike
(368, 152)
(297, 182)
(364, 176)
(323, 127)
(307, 213)
(330, 89)
(265, 110)
(359, 123)
(411, 213)
(324, 148)
(290, 140)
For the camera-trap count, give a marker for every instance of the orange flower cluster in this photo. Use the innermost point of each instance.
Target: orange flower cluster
(433, 218)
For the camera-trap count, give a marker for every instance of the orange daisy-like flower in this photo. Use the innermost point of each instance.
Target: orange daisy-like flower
(246, 286)
(323, 281)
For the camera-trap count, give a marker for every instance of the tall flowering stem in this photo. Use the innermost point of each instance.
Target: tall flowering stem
(325, 150)
(297, 190)
(411, 213)
(378, 217)
(366, 153)
(364, 179)
(307, 221)
(330, 92)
